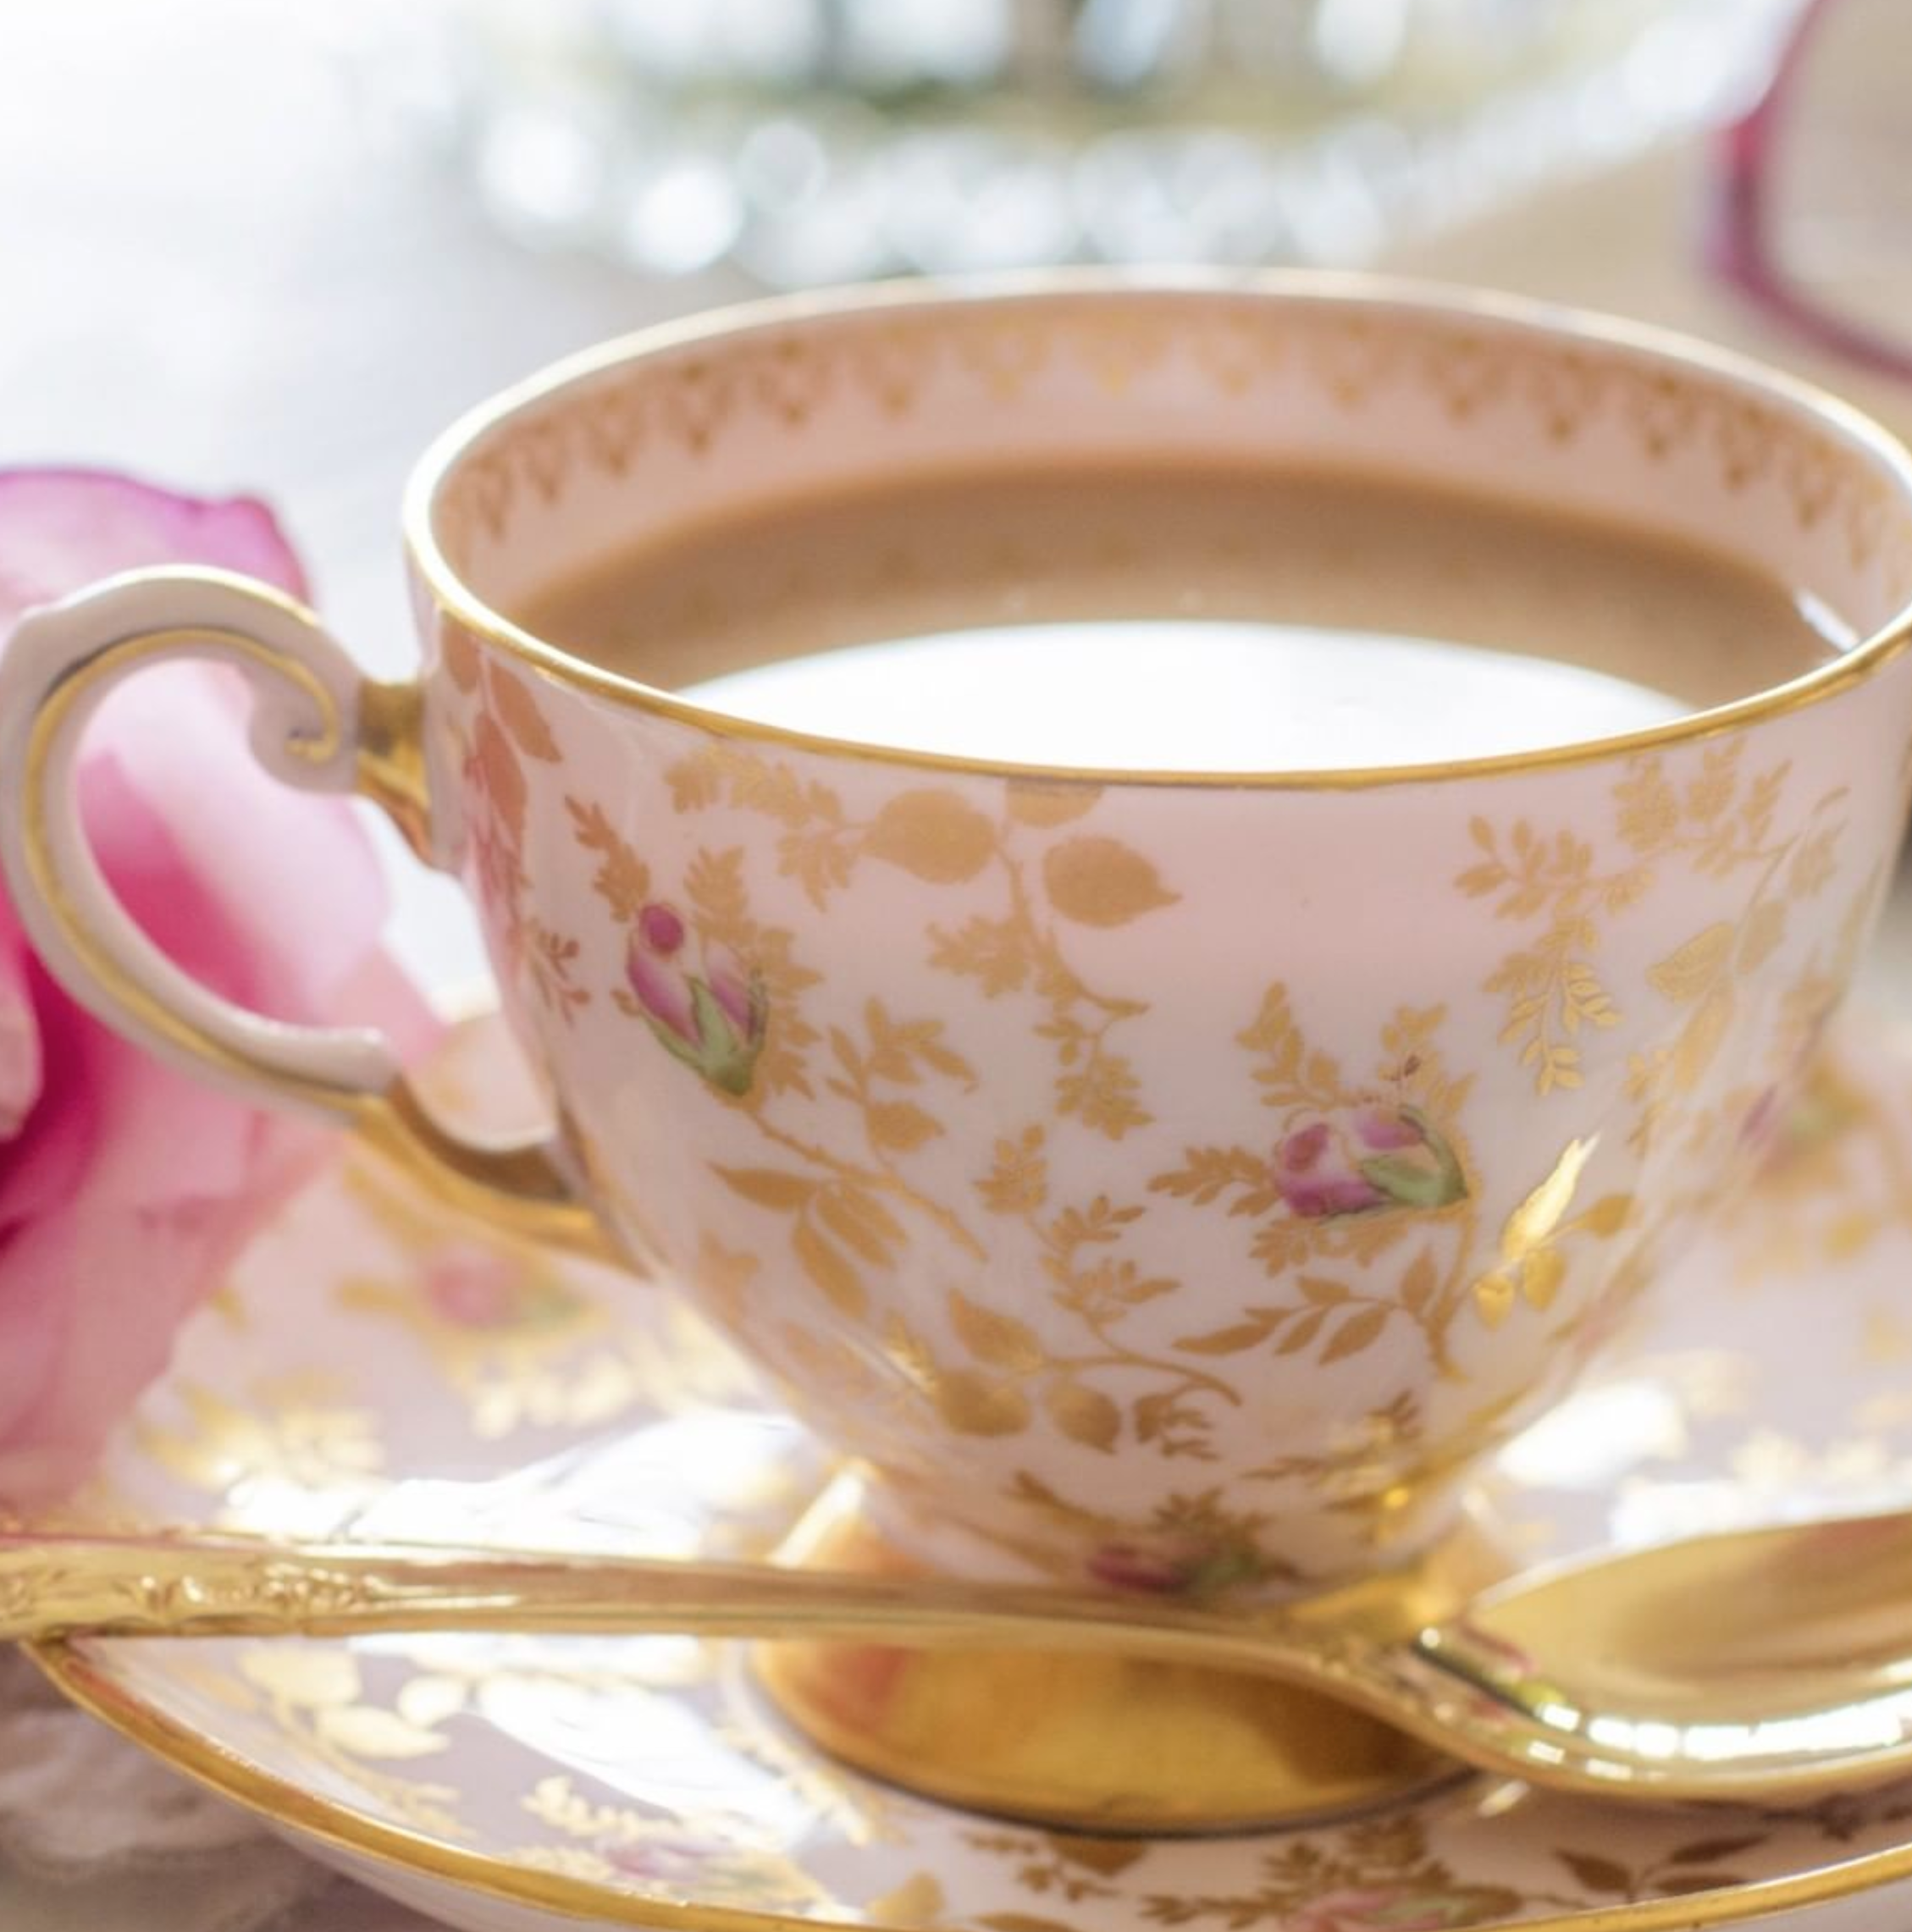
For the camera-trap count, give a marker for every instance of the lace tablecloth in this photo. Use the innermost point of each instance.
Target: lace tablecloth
(95, 1836)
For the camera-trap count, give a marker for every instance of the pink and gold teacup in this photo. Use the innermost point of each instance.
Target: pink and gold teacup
(1179, 1182)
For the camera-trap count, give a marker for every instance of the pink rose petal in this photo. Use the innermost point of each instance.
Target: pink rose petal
(127, 1188)
(20, 1032)
(662, 991)
(59, 529)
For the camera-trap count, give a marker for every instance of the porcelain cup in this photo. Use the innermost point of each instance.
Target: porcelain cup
(1176, 1181)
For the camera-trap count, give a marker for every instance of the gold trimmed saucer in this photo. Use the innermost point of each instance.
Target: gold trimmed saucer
(379, 1369)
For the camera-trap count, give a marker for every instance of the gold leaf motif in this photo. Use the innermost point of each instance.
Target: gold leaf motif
(1229, 1341)
(517, 711)
(428, 1702)
(1494, 1296)
(1302, 1332)
(1596, 1874)
(1650, 808)
(1607, 1215)
(974, 1406)
(1701, 1039)
(935, 835)
(623, 879)
(1355, 1334)
(1100, 881)
(1103, 1095)
(1083, 1414)
(1686, 974)
(900, 1125)
(994, 953)
(1110, 1857)
(1540, 1276)
(460, 651)
(309, 1677)
(366, 1732)
(500, 773)
(1535, 1219)
(830, 1271)
(766, 1188)
(1018, 1182)
(918, 1900)
(1000, 1340)
(861, 1223)
(1023, 1922)
(1419, 1283)
(1764, 930)
(1045, 802)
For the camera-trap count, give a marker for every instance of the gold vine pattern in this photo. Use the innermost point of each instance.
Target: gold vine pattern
(1362, 1203)
(507, 729)
(939, 837)
(1720, 822)
(846, 1218)
(1368, 1876)
(1363, 1172)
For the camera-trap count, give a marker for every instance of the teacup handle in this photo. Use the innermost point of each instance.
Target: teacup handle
(318, 723)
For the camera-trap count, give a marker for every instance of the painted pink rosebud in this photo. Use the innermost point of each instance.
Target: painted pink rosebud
(1178, 1564)
(471, 1288)
(714, 1020)
(1129, 1566)
(485, 1290)
(1386, 1908)
(1360, 1159)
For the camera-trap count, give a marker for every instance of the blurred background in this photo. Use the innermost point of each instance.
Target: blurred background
(252, 246)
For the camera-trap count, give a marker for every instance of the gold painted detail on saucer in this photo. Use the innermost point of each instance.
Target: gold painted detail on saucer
(300, 1430)
(527, 1341)
(611, 1842)
(1573, 1866)
(315, 1697)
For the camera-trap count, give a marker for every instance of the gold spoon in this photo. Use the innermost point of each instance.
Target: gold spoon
(1768, 1663)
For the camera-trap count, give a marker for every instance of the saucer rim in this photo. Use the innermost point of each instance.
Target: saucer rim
(310, 1815)
(84, 1673)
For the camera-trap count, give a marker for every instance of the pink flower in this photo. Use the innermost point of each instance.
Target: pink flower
(125, 1189)
(1361, 1158)
(714, 1021)
(472, 1288)
(1129, 1566)
(482, 1289)
(1178, 1564)
(1368, 1909)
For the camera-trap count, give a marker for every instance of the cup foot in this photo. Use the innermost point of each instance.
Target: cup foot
(1100, 1743)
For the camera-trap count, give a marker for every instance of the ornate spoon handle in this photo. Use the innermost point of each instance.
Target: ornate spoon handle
(229, 1586)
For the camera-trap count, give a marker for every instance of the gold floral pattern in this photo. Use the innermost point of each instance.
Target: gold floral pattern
(525, 1766)
(1365, 1202)
(1092, 1232)
(510, 1328)
(1317, 1207)
(1720, 823)
(939, 837)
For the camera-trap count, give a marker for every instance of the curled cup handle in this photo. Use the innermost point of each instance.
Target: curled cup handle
(318, 723)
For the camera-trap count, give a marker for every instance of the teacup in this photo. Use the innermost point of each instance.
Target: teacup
(1023, 1250)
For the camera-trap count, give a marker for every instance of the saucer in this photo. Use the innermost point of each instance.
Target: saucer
(379, 1369)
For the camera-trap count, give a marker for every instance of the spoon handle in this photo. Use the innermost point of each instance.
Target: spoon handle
(219, 1586)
